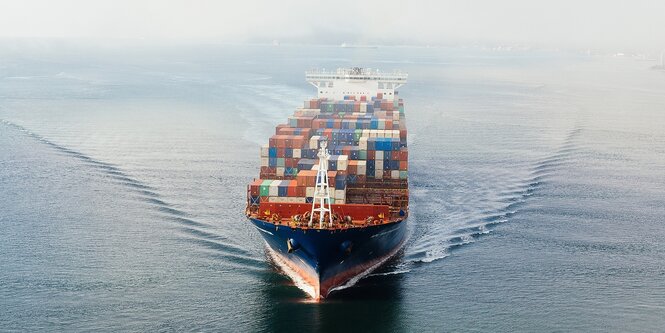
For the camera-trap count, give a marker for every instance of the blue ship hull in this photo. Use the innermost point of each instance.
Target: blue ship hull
(326, 259)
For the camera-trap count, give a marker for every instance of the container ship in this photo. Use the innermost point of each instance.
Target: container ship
(332, 197)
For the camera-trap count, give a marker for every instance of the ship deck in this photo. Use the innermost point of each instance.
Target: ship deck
(337, 225)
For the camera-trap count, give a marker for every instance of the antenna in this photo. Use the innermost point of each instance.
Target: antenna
(322, 191)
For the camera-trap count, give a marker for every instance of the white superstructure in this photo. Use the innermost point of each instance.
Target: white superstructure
(355, 81)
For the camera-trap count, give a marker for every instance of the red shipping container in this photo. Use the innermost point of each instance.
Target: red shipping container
(404, 165)
(328, 133)
(394, 155)
(292, 190)
(280, 142)
(403, 155)
(254, 188)
(371, 154)
(265, 169)
(301, 191)
(281, 152)
(279, 127)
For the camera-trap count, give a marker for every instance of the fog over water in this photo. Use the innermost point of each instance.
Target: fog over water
(614, 25)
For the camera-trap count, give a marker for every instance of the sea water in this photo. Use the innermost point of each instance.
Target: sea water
(537, 191)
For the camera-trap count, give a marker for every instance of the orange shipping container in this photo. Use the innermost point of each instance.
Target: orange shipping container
(292, 190)
(403, 165)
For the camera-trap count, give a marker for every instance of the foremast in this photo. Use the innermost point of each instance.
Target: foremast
(322, 190)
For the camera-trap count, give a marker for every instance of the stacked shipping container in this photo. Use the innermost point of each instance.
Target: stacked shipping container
(367, 143)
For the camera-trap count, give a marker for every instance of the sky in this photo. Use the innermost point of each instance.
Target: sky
(636, 24)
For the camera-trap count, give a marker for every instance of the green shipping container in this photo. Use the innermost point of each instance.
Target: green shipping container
(362, 154)
(357, 134)
(280, 162)
(264, 189)
(403, 174)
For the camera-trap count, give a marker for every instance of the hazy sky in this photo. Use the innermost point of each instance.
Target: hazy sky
(560, 23)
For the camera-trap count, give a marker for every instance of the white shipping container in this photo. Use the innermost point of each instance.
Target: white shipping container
(300, 200)
(342, 162)
(340, 201)
(372, 133)
(291, 199)
(394, 174)
(309, 191)
(340, 194)
(366, 133)
(362, 167)
(395, 134)
(265, 151)
(280, 171)
(378, 155)
(362, 143)
(378, 173)
(273, 189)
(296, 153)
(363, 107)
(264, 161)
(314, 142)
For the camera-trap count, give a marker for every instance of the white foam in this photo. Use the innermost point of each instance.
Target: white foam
(298, 281)
(401, 271)
(432, 257)
(466, 239)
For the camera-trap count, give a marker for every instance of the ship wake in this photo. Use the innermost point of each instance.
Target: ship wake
(193, 231)
(470, 215)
